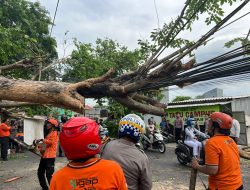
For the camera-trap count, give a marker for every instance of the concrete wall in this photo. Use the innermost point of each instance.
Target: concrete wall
(243, 104)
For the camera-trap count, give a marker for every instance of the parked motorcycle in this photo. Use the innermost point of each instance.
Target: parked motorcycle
(158, 142)
(184, 152)
(167, 137)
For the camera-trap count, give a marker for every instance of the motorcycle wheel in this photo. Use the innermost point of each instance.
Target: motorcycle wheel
(180, 158)
(161, 148)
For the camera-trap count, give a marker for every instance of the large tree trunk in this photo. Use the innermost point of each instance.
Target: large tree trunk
(54, 93)
(71, 96)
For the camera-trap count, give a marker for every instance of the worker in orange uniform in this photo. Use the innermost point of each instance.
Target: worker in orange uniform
(222, 161)
(81, 143)
(4, 138)
(47, 162)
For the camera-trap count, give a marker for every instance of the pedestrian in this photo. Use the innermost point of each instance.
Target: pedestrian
(19, 136)
(45, 130)
(4, 138)
(64, 119)
(47, 162)
(235, 130)
(81, 143)
(133, 161)
(222, 161)
(163, 124)
(178, 127)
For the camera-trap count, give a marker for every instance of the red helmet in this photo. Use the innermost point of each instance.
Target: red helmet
(53, 122)
(224, 120)
(80, 138)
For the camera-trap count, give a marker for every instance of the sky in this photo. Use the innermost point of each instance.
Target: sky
(130, 20)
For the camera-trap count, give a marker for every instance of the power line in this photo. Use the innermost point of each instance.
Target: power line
(54, 18)
(158, 21)
(234, 20)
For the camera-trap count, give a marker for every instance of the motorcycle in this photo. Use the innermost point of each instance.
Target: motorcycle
(158, 142)
(167, 137)
(184, 152)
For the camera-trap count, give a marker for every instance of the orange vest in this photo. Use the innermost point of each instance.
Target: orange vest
(4, 130)
(51, 142)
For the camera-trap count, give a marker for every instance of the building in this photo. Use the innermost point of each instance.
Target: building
(216, 92)
(239, 106)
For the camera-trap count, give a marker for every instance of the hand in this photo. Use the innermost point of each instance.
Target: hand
(194, 163)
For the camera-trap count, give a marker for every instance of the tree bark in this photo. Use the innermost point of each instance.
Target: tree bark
(54, 93)
(71, 96)
(9, 104)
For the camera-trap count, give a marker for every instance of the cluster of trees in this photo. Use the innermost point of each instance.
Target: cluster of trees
(105, 70)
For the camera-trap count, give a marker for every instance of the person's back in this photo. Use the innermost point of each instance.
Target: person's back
(134, 162)
(81, 143)
(229, 162)
(95, 173)
(222, 161)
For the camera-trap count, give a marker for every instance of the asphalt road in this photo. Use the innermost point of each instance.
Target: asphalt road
(167, 172)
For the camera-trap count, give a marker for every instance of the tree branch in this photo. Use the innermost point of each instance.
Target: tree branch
(145, 67)
(140, 97)
(210, 33)
(19, 64)
(89, 82)
(135, 105)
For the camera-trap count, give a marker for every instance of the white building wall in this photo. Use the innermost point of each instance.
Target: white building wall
(243, 104)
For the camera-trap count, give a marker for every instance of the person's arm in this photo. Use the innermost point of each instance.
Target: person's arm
(200, 133)
(5, 127)
(237, 129)
(50, 139)
(206, 169)
(146, 176)
(212, 161)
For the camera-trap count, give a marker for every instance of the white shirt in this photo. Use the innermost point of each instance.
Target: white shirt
(190, 134)
(235, 130)
(151, 128)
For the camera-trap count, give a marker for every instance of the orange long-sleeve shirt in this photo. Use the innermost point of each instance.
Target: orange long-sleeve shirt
(51, 142)
(4, 130)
